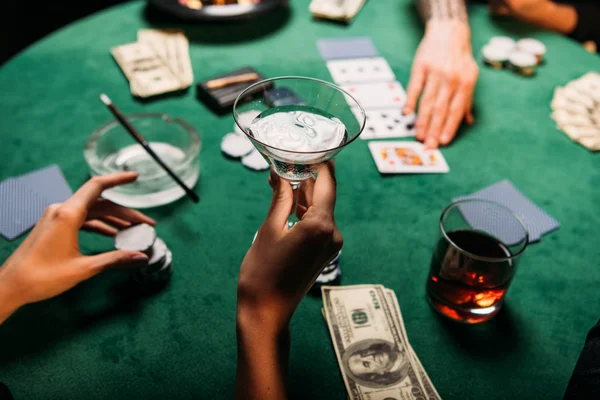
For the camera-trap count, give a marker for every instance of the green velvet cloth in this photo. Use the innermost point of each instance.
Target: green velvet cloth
(102, 341)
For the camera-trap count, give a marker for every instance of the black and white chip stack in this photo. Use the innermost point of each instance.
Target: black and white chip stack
(521, 57)
(143, 238)
(330, 276)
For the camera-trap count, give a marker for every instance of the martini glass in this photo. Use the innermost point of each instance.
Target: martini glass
(298, 124)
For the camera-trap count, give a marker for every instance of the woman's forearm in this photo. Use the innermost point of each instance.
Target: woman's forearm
(263, 356)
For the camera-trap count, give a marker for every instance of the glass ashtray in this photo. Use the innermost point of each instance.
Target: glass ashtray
(110, 148)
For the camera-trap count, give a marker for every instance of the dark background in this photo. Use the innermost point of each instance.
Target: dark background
(24, 22)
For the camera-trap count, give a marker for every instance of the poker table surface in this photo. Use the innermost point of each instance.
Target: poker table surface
(103, 340)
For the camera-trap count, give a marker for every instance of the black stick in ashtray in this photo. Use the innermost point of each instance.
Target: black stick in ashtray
(140, 139)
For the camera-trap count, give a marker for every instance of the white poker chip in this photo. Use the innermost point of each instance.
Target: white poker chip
(245, 119)
(159, 252)
(136, 238)
(236, 146)
(255, 161)
(532, 46)
(502, 43)
(522, 62)
(495, 56)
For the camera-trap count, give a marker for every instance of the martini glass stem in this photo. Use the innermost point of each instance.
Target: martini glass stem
(293, 218)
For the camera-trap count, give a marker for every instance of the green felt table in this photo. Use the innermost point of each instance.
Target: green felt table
(100, 341)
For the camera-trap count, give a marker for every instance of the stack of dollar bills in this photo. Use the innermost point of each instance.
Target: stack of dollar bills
(340, 10)
(373, 352)
(159, 62)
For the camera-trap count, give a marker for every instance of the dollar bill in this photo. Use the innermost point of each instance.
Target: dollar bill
(148, 75)
(172, 46)
(432, 394)
(373, 353)
(343, 10)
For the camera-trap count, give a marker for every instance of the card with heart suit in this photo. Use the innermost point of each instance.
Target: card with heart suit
(360, 70)
(386, 123)
(401, 157)
(377, 95)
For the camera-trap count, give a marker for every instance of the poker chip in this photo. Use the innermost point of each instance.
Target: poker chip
(158, 254)
(503, 43)
(495, 56)
(522, 63)
(136, 238)
(255, 161)
(532, 46)
(236, 146)
(245, 119)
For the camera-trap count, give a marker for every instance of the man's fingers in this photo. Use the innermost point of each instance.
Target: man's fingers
(426, 105)
(105, 209)
(281, 205)
(455, 116)
(87, 195)
(415, 86)
(114, 259)
(99, 227)
(324, 193)
(439, 117)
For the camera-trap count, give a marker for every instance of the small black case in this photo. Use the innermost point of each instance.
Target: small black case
(221, 100)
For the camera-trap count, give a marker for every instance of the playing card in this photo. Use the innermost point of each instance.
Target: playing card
(20, 208)
(360, 70)
(407, 158)
(49, 183)
(386, 123)
(377, 95)
(332, 49)
(485, 217)
(507, 195)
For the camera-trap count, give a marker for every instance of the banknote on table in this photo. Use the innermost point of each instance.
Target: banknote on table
(372, 351)
(148, 75)
(432, 394)
(172, 46)
(342, 10)
(576, 110)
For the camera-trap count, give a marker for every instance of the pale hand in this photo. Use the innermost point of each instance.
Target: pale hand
(444, 74)
(49, 262)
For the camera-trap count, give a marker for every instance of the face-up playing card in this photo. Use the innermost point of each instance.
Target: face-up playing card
(386, 123)
(377, 95)
(20, 208)
(407, 158)
(506, 194)
(332, 49)
(360, 70)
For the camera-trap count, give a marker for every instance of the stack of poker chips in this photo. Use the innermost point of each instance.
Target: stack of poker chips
(330, 276)
(142, 238)
(237, 146)
(521, 57)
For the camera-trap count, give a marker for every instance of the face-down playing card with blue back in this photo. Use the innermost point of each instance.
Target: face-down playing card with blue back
(506, 194)
(23, 199)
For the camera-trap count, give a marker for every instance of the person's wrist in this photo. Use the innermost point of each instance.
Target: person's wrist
(260, 321)
(454, 27)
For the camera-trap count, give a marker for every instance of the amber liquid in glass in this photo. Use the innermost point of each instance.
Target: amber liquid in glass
(465, 288)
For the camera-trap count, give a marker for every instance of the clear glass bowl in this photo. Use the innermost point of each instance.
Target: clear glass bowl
(110, 148)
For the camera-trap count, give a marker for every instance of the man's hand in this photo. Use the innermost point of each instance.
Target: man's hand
(516, 7)
(48, 262)
(444, 74)
(546, 14)
(276, 273)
